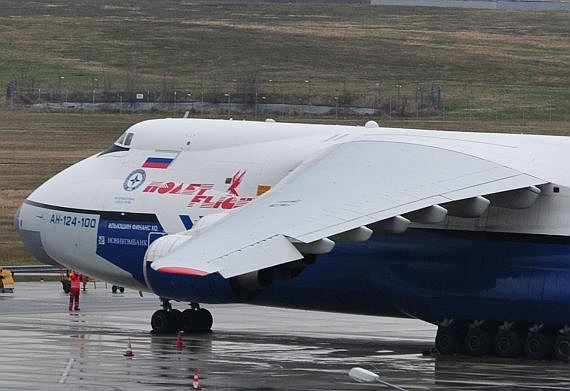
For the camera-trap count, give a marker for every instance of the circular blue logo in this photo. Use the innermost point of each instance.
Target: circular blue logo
(134, 180)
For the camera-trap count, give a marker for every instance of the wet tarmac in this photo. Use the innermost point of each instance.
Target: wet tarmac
(43, 346)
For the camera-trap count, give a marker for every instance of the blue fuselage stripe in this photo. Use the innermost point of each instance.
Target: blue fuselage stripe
(426, 273)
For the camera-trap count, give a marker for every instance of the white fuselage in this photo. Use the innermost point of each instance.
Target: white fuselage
(219, 166)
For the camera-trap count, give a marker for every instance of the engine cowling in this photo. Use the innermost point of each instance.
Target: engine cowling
(164, 246)
(213, 287)
(253, 281)
(168, 243)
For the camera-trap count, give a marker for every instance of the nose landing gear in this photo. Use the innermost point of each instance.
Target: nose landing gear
(170, 320)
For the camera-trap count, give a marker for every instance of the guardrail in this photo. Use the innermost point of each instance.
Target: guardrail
(33, 269)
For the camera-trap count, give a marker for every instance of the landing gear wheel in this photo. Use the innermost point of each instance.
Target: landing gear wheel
(538, 345)
(205, 320)
(507, 343)
(477, 341)
(449, 340)
(160, 322)
(189, 320)
(196, 320)
(562, 346)
(116, 288)
(175, 320)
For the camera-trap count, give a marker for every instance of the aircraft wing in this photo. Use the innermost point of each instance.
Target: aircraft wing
(344, 188)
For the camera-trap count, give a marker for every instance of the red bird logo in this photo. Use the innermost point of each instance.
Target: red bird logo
(236, 180)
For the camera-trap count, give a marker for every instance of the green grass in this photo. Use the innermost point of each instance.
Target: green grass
(343, 49)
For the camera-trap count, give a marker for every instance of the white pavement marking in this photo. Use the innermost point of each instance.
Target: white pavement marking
(66, 371)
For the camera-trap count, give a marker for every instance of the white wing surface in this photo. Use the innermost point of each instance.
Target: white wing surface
(345, 187)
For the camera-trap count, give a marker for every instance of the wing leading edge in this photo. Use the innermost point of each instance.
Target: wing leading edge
(349, 186)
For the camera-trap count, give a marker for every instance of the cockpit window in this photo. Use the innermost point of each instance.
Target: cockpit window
(122, 144)
(121, 139)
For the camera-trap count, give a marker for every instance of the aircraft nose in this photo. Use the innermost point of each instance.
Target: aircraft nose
(30, 234)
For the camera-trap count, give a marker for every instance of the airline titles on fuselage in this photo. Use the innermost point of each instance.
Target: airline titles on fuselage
(203, 195)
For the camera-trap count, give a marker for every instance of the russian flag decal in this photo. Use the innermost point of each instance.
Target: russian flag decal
(157, 162)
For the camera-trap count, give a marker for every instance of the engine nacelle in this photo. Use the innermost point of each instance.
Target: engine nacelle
(253, 281)
(165, 245)
(293, 269)
(168, 243)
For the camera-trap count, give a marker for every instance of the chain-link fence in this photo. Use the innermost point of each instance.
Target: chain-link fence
(388, 99)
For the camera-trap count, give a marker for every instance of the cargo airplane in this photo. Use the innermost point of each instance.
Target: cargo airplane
(468, 231)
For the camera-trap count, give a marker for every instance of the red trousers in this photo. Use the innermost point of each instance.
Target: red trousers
(74, 297)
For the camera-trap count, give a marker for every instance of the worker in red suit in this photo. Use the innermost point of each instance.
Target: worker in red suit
(75, 279)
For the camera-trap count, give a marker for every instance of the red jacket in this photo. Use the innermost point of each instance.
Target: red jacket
(75, 280)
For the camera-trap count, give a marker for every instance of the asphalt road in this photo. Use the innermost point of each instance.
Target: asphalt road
(43, 346)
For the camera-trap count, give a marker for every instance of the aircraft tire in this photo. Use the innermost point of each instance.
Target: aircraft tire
(562, 347)
(538, 345)
(477, 341)
(160, 322)
(449, 340)
(189, 320)
(205, 320)
(507, 343)
(175, 320)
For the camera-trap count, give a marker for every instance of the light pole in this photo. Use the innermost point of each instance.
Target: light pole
(229, 95)
(263, 98)
(378, 96)
(202, 98)
(418, 103)
(256, 92)
(549, 108)
(61, 78)
(336, 99)
(93, 83)
(398, 88)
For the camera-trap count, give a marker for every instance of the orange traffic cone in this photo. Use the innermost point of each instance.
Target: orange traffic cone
(179, 343)
(196, 382)
(129, 352)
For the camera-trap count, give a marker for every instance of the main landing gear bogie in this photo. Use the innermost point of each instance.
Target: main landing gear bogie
(480, 338)
(169, 320)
